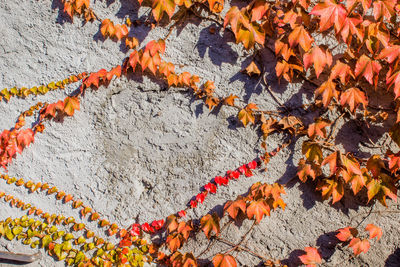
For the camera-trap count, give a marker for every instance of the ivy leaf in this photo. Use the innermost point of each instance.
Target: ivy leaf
(306, 170)
(393, 79)
(252, 69)
(121, 31)
(151, 62)
(210, 223)
(351, 164)
(332, 161)
(332, 187)
(161, 6)
(258, 209)
(346, 234)
(391, 53)
(359, 245)
(216, 6)
(328, 91)
(259, 9)
(25, 137)
(107, 28)
(246, 114)
(234, 207)
(318, 128)
(224, 260)
(70, 105)
(353, 97)
(312, 151)
(384, 8)
(374, 231)
(319, 58)
(311, 258)
(330, 13)
(342, 71)
(230, 100)
(368, 68)
(299, 35)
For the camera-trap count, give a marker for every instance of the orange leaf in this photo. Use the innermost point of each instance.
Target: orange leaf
(311, 258)
(224, 260)
(332, 161)
(161, 6)
(258, 209)
(210, 223)
(151, 62)
(368, 68)
(230, 100)
(328, 91)
(318, 128)
(252, 69)
(234, 207)
(319, 58)
(299, 35)
(131, 42)
(115, 71)
(353, 97)
(25, 137)
(341, 70)
(70, 105)
(384, 8)
(107, 28)
(216, 6)
(374, 231)
(330, 14)
(346, 233)
(359, 245)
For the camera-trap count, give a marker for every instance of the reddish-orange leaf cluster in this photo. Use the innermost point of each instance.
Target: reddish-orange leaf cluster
(80, 7)
(118, 31)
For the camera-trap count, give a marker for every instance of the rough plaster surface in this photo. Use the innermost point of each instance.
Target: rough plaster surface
(136, 152)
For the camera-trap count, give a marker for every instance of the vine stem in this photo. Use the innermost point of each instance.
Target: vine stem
(242, 239)
(223, 240)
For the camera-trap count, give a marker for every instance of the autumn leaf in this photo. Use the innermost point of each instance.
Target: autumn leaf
(234, 207)
(318, 58)
(70, 105)
(318, 128)
(351, 28)
(351, 164)
(306, 170)
(328, 91)
(346, 234)
(246, 115)
(131, 42)
(342, 71)
(121, 31)
(332, 187)
(368, 68)
(224, 260)
(359, 245)
(391, 53)
(216, 6)
(332, 160)
(330, 13)
(311, 258)
(258, 209)
(252, 69)
(210, 223)
(230, 100)
(150, 62)
(299, 35)
(374, 165)
(353, 97)
(384, 8)
(393, 79)
(161, 6)
(107, 28)
(374, 231)
(25, 137)
(312, 151)
(259, 9)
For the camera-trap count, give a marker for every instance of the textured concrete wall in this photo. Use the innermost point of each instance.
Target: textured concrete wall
(137, 152)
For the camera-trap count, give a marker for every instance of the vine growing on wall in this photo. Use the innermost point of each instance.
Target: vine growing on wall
(362, 61)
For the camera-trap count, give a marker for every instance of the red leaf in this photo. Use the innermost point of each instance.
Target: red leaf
(368, 68)
(319, 58)
(359, 245)
(224, 260)
(374, 231)
(219, 180)
(312, 257)
(252, 165)
(25, 138)
(353, 97)
(210, 187)
(200, 197)
(330, 14)
(346, 233)
(258, 209)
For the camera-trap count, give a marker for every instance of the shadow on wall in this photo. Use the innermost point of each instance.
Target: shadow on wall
(394, 259)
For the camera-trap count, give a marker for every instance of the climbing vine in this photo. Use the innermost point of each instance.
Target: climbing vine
(362, 60)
